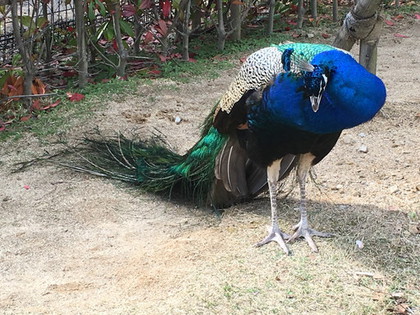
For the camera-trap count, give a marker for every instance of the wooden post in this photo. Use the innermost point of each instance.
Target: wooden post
(369, 47)
(79, 10)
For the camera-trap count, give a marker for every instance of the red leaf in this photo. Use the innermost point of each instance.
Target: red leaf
(25, 118)
(156, 72)
(128, 10)
(26, 187)
(296, 35)
(166, 8)
(148, 37)
(290, 22)
(325, 35)
(162, 28)
(2, 126)
(242, 59)
(11, 87)
(401, 35)
(192, 60)
(145, 4)
(52, 105)
(75, 97)
(398, 17)
(237, 2)
(163, 58)
(388, 22)
(70, 73)
(287, 28)
(115, 45)
(417, 16)
(36, 105)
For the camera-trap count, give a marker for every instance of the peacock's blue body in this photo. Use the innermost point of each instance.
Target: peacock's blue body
(352, 96)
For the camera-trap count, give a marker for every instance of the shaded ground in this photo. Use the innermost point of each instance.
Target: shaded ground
(70, 243)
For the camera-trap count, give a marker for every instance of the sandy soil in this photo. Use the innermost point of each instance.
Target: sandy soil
(71, 243)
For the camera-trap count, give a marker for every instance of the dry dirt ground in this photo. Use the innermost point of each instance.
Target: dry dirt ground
(71, 243)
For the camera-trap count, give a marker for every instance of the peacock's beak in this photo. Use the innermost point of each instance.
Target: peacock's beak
(315, 100)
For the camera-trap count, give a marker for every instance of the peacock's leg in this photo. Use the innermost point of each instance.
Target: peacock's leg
(302, 229)
(274, 232)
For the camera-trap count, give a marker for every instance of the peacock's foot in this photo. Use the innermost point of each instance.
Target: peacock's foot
(275, 235)
(307, 233)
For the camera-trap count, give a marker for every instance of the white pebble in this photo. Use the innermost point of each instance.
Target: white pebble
(363, 148)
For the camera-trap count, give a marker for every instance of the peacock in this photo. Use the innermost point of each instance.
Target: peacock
(283, 112)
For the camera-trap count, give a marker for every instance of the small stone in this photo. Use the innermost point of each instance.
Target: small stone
(347, 139)
(310, 35)
(337, 187)
(363, 148)
(359, 244)
(362, 135)
(414, 228)
(177, 120)
(393, 189)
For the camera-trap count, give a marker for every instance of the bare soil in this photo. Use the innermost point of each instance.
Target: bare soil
(71, 243)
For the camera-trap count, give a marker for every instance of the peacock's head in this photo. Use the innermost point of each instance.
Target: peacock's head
(315, 81)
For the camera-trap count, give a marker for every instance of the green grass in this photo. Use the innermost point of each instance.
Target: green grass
(58, 120)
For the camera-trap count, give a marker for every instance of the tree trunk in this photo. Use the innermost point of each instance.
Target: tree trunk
(369, 48)
(186, 32)
(235, 10)
(221, 31)
(270, 21)
(138, 30)
(47, 35)
(314, 8)
(335, 10)
(122, 52)
(301, 13)
(358, 24)
(79, 11)
(196, 15)
(25, 50)
(362, 23)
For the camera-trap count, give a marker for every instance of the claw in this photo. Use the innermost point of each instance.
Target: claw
(275, 235)
(307, 233)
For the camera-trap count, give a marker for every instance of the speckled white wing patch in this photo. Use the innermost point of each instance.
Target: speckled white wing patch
(256, 72)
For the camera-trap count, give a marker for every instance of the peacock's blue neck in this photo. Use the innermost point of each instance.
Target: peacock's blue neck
(352, 96)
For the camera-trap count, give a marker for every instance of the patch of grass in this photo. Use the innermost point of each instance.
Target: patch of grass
(58, 120)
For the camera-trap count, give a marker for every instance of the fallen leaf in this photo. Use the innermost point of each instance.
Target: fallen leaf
(401, 35)
(51, 105)
(27, 187)
(388, 22)
(325, 35)
(75, 97)
(398, 17)
(36, 105)
(25, 118)
(417, 16)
